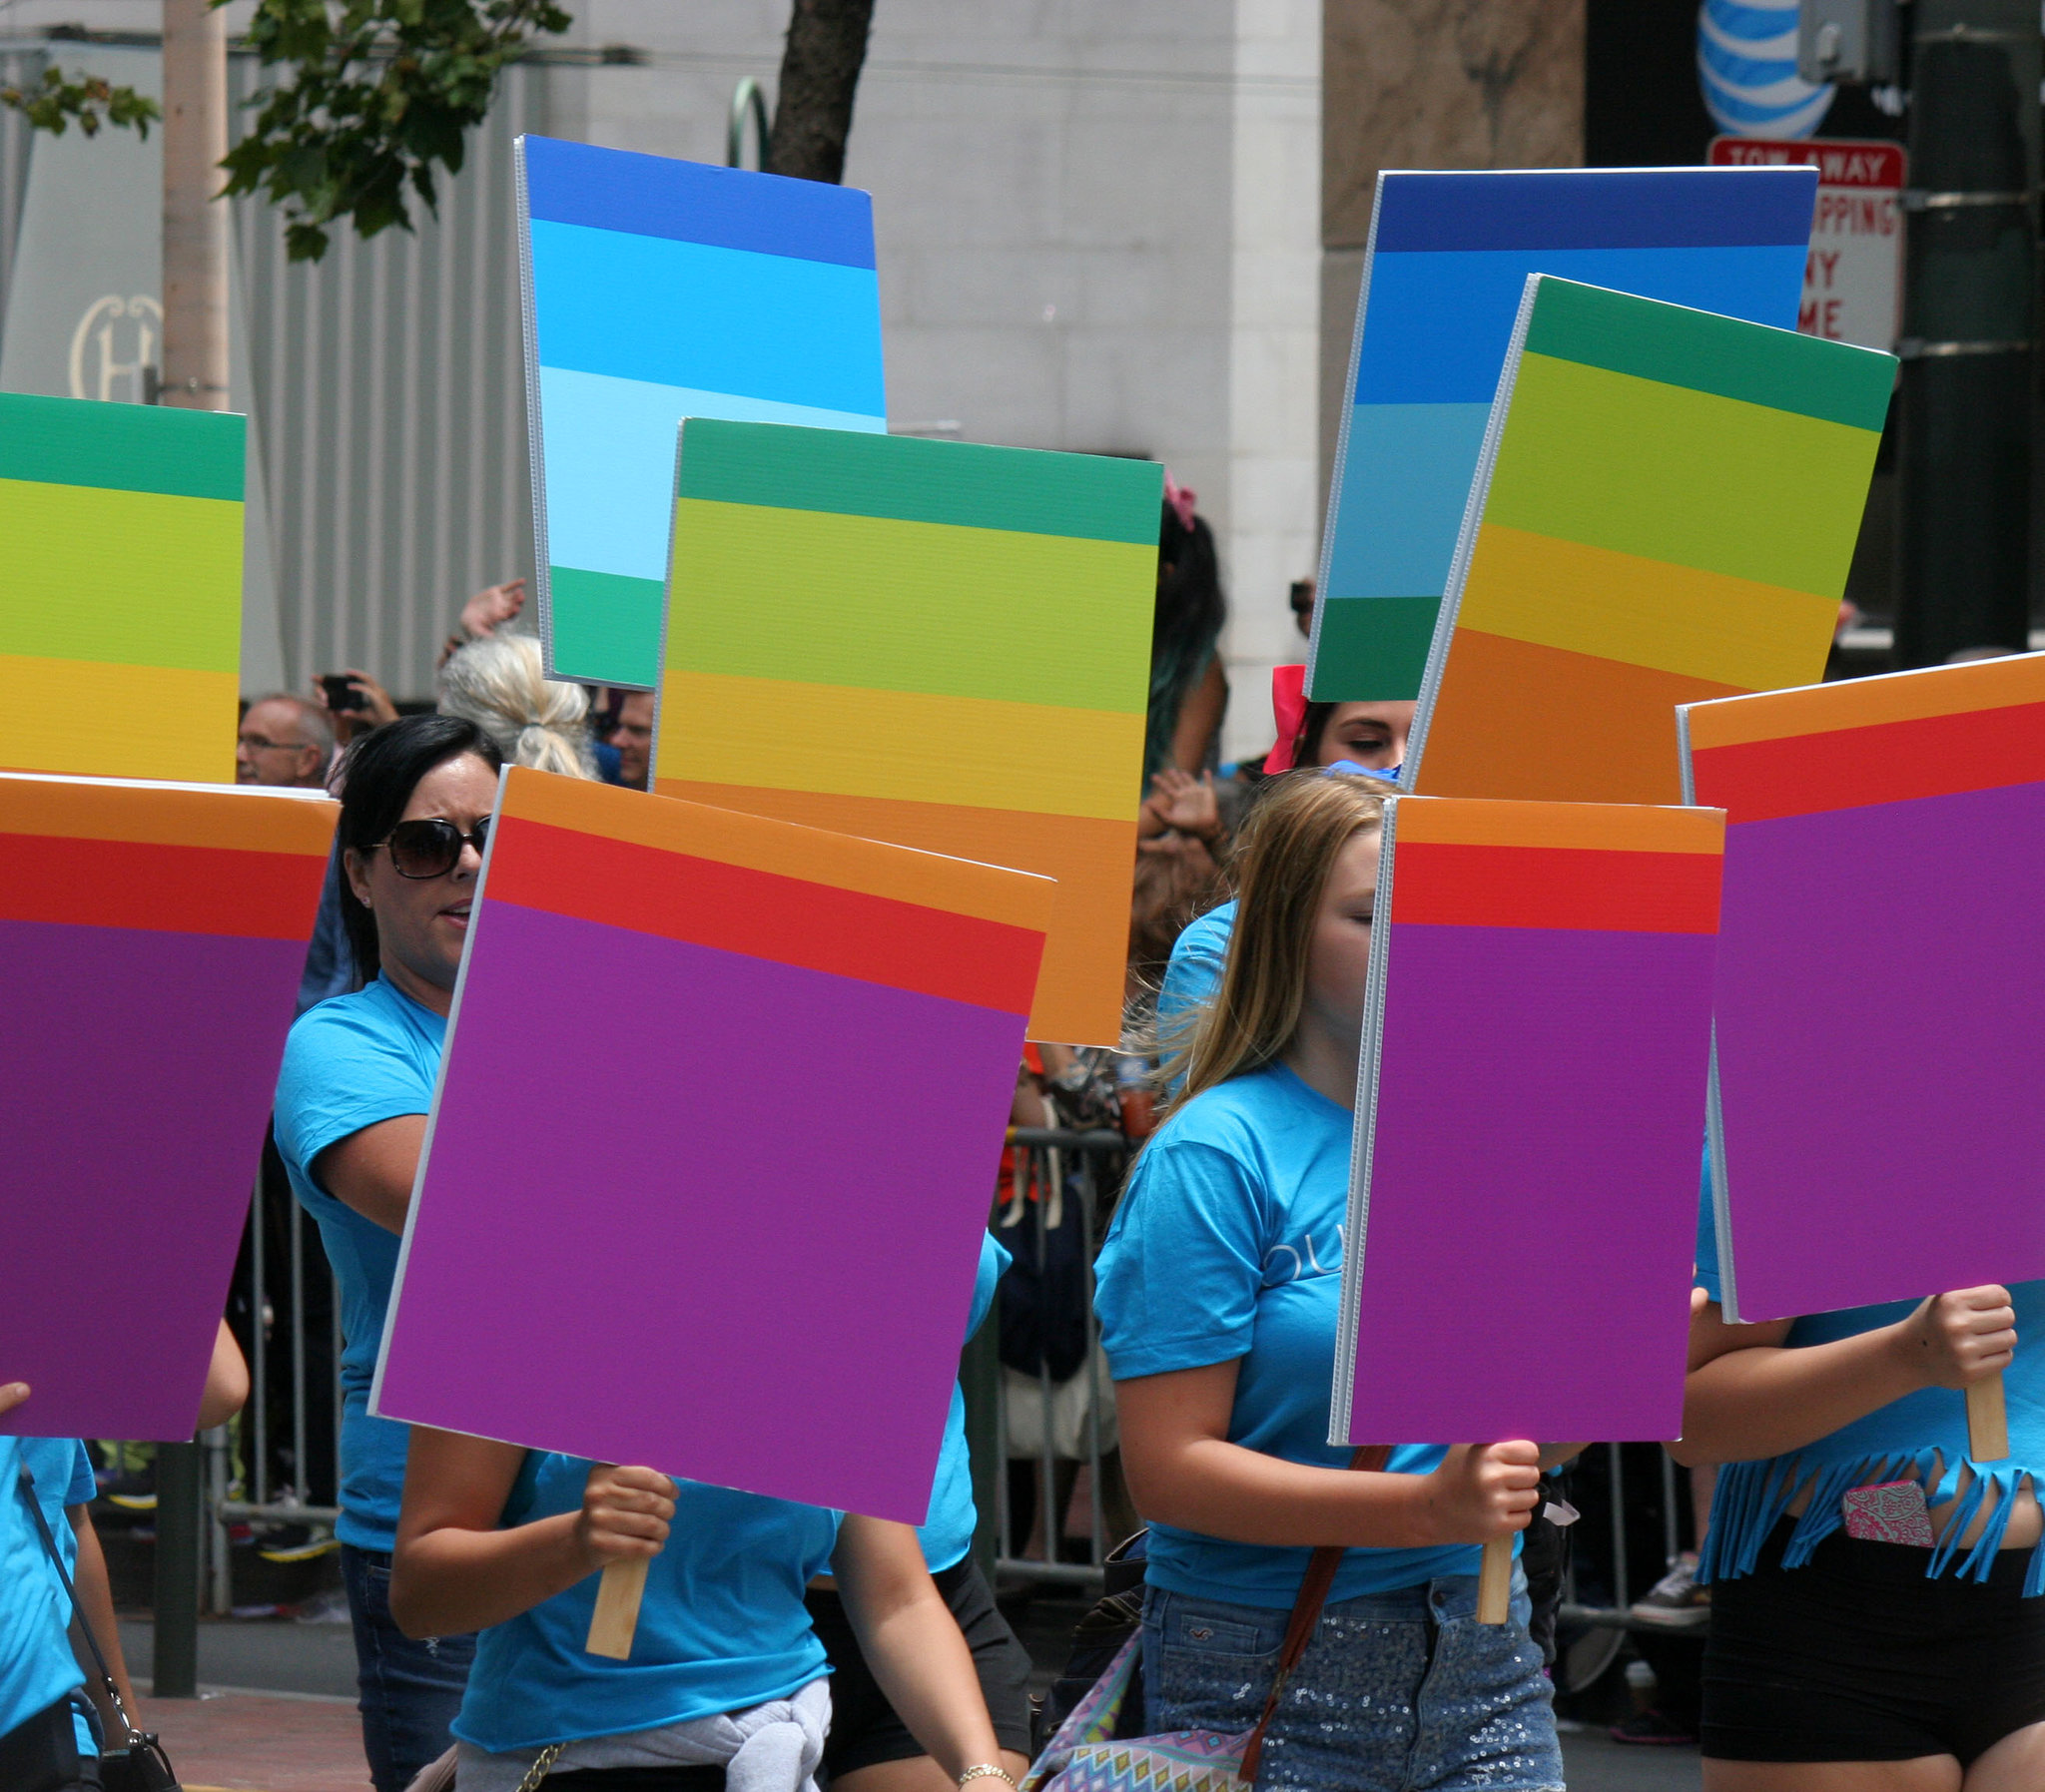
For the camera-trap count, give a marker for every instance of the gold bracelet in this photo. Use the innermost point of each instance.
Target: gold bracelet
(986, 1770)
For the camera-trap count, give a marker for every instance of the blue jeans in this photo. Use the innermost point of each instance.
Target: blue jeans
(1401, 1692)
(411, 1690)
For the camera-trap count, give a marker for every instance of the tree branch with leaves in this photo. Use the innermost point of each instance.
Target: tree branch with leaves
(380, 93)
(89, 101)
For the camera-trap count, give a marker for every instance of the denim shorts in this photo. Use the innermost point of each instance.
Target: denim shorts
(1403, 1691)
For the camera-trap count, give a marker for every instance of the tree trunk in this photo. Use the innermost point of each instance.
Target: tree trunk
(827, 44)
(196, 221)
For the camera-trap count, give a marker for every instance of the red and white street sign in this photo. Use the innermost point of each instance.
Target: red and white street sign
(1853, 276)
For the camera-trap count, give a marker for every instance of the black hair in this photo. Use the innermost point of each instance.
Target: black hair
(1190, 612)
(376, 777)
(1313, 724)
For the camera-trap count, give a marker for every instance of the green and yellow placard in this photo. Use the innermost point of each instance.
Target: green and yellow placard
(1664, 513)
(121, 599)
(938, 644)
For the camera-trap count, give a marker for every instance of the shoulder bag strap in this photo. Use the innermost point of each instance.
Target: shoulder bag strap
(26, 1482)
(1306, 1617)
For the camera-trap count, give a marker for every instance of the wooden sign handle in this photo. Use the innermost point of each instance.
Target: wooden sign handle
(617, 1609)
(1495, 1583)
(1987, 1421)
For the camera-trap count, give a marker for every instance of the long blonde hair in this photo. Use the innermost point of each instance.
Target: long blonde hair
(1288, 846)
(500, 683)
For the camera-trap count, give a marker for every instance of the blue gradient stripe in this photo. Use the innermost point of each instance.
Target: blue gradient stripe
(1745, 71)
(1436, 325)
(707, 319)
(691, 202)
(1406, 474)
(609, 446)
(1605, 207)
(1757, 23)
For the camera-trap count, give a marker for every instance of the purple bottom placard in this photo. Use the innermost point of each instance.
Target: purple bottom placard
(1533, 1186)
(1881, 1051)
(737, 1244)
(140, 1067)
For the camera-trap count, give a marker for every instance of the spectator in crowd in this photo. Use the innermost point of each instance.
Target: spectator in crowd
(1218, 1292)
(632, 735)
(501, 684)
(491, 609)
(284, 741)
(726, 1684)
(1188, 692)
(351, 1105)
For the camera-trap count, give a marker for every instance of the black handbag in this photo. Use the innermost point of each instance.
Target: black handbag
(139, 1765)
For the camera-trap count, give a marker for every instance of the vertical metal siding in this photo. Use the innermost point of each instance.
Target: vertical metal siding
(389, 387)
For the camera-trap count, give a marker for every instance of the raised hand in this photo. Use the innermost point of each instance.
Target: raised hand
(1484, 1490)
(1956, 1339)
(625, 1514)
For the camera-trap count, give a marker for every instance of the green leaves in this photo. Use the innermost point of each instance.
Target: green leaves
(380, 91)
(91, 101)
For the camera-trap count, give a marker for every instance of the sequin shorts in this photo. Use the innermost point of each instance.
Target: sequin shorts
(1398, 1693)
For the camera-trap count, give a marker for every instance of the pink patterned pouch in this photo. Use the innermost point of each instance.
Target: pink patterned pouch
(1893, 1512)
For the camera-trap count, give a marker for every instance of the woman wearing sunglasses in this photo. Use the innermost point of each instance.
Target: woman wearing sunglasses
(352, 1103)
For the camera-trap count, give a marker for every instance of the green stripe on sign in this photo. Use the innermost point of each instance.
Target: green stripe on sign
(1671, 473)
(1372, 649)
(966, 484)
(121, 447)
(879, 604)
(604, 627)
(130, 578)
(1709, 353)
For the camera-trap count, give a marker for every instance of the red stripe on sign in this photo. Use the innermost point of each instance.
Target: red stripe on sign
(158, 888)
(1555, 886)
(1889, 762)
(788, 920)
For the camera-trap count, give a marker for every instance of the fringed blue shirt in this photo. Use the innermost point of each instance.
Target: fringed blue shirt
(1922, 1437)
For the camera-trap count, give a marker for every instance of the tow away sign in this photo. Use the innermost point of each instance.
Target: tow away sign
(1853, 276)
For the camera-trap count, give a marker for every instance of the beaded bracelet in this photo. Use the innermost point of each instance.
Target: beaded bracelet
(986, 1770)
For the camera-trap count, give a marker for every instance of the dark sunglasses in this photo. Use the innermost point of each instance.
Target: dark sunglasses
(431, 849)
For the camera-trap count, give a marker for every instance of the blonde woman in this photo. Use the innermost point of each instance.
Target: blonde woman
(1218, 1290)
(500, 683)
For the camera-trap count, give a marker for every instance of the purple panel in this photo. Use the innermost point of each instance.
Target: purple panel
(1533, 1186)
(1881, 1050)
(738, 1243)
(139, 1071)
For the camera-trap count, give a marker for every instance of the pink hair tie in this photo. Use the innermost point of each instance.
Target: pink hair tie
(1181, 498)
(1288, 706)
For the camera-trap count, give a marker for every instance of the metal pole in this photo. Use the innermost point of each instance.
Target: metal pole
(1616, 1476)
(298, 1224)
(1964, 403)
(258, 1345)
(196, 221)
(219, 1447)
(178, 1504)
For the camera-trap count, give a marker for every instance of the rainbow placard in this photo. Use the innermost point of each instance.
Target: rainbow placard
(1536, 1032)
(934, 643)
(151, 940)
(717, 1291)
(1442, 276)
(1665, 513)
(121, 608)
(1876, 1130)
(657, 290)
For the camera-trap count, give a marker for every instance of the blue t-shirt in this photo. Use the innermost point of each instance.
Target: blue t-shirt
(1195, 973)
(722, 1626)
(37, 1667)
(350, 1063)
(947, 1534)
(63, 1476)
(1228, 1247)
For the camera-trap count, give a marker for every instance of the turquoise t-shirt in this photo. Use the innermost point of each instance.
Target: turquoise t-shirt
(1924, 1432)
(722, 1626)
(37, 1667)
(947, 1534)
(1228, 1247)
(1194, 971)
(351, 1062)
(62, 1471)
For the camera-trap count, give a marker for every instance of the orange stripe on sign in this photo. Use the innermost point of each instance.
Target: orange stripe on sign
(241, 819)
(1545, 886)
(1893, 761)
(158, 888)
(1594, 827)
(788, 920)
(1870, 701)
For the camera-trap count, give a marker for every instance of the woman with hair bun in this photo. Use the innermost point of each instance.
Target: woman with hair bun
(501, 684)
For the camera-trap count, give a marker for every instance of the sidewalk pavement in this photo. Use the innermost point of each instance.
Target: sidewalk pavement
(229, 1741)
